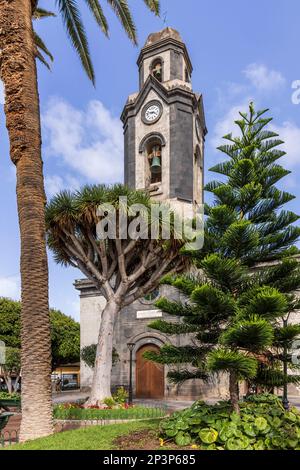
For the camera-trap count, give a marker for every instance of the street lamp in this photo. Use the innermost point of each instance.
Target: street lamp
(130, 347)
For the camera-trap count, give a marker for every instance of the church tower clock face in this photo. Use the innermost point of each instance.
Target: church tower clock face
(152, 112)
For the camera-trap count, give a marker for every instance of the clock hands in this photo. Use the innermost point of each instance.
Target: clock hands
(152, 113)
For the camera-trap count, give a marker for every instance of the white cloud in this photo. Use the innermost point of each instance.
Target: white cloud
(10, 287)
(55, 183)
(225, 125)
(2, 95)
(263, 78)
(89, 142)
(236, 97)
(259, 79)
(289, 132)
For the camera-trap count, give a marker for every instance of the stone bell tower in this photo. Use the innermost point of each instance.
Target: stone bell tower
(164, 132)
(164, 124)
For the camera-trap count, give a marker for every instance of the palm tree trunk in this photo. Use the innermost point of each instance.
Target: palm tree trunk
(18, 73)
(101, 386)
(234, 391)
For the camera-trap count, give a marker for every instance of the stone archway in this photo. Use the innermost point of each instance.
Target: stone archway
(150, 376)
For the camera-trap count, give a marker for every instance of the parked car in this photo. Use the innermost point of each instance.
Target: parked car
(70, 386)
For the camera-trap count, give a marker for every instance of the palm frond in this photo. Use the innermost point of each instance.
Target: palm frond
(154, 6)
(42, 59)
(73, 23)
(98, 14)
(42, 46)
(40, 13)
(122, 11)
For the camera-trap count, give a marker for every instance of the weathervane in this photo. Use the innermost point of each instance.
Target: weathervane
(165, 18)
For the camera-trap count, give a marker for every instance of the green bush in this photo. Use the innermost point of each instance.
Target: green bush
(121, 396)
(9, 396)
(109, 402)
(262, 425)
(118, 400)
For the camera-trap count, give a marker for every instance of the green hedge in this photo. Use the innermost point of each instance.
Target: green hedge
(76, 413)
(262, 425)
(9, 396)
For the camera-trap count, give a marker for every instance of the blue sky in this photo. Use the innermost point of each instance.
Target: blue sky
(240, 52)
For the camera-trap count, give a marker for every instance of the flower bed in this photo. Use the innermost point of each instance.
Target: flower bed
(78, 412)
(262, 425)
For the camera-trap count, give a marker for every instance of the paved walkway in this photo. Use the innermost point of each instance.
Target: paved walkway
(66, 397)
(172, 405)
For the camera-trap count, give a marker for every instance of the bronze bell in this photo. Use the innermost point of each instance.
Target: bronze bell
(156, 165)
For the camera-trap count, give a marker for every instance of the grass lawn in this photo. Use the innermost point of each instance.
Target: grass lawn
(91, 438)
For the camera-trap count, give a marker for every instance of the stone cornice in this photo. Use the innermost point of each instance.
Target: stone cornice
(163, 45)
(274, 262)
(169, 95)
(86, 287)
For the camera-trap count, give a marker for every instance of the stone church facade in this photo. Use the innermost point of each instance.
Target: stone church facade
(164, 137)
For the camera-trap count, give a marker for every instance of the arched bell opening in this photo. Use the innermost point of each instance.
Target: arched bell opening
(157, 69)
(154, 156)
(151, 148)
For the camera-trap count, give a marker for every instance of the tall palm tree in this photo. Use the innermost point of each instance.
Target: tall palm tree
(19, 48)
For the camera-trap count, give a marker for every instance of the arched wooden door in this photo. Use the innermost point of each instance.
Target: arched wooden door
(150, 377)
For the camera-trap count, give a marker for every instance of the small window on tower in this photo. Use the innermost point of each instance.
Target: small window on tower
(157, 70)
(154, 157)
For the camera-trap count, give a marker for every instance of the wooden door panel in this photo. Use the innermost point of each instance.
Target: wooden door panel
(149, 376)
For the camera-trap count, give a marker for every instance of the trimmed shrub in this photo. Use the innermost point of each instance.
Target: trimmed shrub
(76, 412)
(9, 396)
